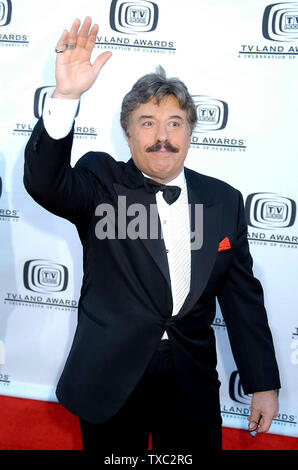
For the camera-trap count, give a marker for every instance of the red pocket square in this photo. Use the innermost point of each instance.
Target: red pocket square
(224, 244)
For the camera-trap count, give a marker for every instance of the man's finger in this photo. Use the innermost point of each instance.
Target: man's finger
(265, 424)
(72, 37)
(82, 37)
(100, 61)
(92, 38)
(62, 40)
(254, 419)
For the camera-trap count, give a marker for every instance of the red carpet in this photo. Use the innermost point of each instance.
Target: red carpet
(38, 425)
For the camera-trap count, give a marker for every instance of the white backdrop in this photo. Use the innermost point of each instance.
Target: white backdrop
(239, 61)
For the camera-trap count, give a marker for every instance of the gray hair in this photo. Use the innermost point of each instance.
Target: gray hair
(157, 85)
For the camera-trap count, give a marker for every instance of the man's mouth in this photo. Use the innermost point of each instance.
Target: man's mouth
(162, 146)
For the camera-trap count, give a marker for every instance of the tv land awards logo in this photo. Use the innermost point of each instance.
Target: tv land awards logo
(47, 284)
(133, 17)
(270, 211)
(212, 117)
(274, 214)
(280, 28)
(25, 129)
(44, 276)
(212, 113)
(280, 22)
(131, 21)
(9, 38)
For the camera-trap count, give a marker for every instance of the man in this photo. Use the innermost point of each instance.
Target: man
(143, 357)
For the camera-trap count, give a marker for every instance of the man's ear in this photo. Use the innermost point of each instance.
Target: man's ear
(127, 136)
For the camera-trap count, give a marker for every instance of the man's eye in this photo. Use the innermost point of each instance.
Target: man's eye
(147, 123)
(174, 124)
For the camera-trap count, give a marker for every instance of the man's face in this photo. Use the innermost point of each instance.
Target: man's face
(159, 138)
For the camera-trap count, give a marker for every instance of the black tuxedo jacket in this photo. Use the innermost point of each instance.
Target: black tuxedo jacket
(126, 303)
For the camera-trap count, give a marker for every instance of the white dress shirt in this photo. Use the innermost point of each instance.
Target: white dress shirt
(174, 219)
(58, 117)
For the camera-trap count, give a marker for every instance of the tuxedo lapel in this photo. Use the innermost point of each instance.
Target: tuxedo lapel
(136, 197)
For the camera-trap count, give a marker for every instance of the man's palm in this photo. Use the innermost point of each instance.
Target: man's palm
(74, 72)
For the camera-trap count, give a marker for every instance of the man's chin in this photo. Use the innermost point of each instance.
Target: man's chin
(163, 175)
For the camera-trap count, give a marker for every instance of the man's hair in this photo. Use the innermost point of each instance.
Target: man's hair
(158, 86)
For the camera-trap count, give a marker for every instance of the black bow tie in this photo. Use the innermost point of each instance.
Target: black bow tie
(170, 193)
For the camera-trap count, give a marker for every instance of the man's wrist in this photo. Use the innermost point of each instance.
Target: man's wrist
(276, 390)
(65, 96)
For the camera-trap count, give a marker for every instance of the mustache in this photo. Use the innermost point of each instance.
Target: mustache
(162, 145)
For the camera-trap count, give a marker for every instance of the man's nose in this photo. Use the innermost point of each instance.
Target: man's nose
(162, 133)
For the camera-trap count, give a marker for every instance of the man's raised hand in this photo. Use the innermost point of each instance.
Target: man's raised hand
(74, 72)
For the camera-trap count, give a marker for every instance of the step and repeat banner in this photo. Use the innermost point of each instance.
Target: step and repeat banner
(239, 60)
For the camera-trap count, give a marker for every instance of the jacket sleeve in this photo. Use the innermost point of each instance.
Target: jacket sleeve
(51, 181)
(242, 304)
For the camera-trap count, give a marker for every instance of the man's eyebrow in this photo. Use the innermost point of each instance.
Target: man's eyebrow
(147, 116)
(176, 116)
